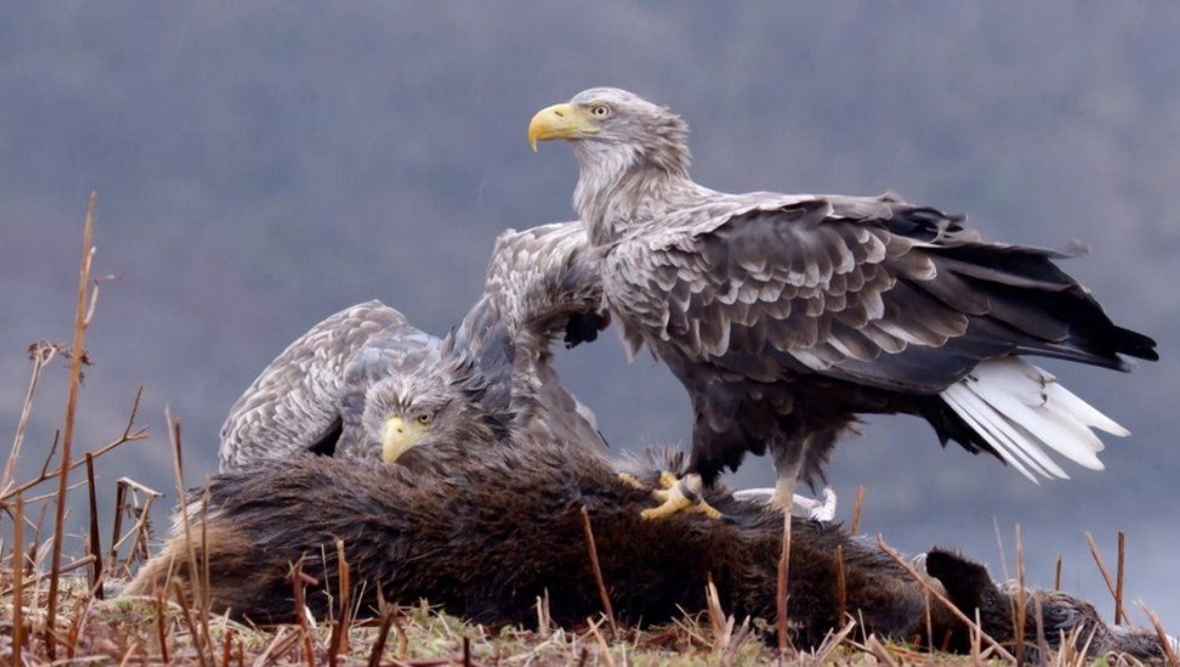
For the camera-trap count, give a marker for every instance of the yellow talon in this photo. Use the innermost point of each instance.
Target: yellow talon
(631, 481)
(674, 499)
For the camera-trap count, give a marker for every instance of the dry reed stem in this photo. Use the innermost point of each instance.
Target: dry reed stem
(1165, 641)
(339, 641)
(1000, 545)
(284, 639)
(76, 358)
(297, 582)
(544, 620)
(833, 641)
(199, 641)
(161, 635)
(780, 593)
(1057, 574)
(856, 510)
(602, 592)
(1118, 586)
(193, 629)
(873, 647)
(721, 623)
(94, 545)
(602, 645)
(841, 581)
(1042, 641)
(974, 625)
(387, 616)
(1110, 585)
(18, 575)
(40, 353)
(1021, 603)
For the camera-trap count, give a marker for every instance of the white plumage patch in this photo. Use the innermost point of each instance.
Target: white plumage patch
(1023, 413)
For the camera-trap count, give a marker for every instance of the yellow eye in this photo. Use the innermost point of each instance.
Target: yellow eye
(424, 419)
(600, 110)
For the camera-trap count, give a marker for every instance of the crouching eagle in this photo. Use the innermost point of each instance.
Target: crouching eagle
(366, 383)
(784, 316)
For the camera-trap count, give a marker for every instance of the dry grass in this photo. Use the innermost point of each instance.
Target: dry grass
(53, 611)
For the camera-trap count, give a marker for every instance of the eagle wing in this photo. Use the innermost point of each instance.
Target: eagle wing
(312, 394)
(542, 283)
(872, 291)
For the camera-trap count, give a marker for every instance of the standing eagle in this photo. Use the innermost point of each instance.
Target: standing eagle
(785, 316)
(366, 383)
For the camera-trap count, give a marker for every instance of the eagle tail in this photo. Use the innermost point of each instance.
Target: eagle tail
(1023, 413)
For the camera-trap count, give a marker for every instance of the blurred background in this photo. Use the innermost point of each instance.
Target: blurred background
(261, 166)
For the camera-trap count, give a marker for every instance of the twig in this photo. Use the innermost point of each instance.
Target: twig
(1110, 586)
(610, 612)
(125, 488)
(1057, 574)
(127, 436)
(942, 598)
(40, 353)
(65, 569)
(76, 353)
(856, 509)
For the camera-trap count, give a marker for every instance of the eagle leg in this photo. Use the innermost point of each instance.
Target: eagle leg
(680, 495)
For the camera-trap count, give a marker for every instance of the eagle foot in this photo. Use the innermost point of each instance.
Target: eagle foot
(680, 495)
(821, 508)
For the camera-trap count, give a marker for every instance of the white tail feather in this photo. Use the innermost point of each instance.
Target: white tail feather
(1023, 413)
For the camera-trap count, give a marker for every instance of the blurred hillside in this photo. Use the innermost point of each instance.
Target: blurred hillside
(262, 166)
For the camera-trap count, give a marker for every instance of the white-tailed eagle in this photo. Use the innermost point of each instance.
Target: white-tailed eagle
(784, 316)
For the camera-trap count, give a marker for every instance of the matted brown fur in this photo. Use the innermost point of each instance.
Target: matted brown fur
(485, 540)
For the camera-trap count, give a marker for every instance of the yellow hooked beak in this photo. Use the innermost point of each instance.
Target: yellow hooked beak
(398, 437)
(560, 121)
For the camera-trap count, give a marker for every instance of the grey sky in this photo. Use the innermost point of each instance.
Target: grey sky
(260, 166)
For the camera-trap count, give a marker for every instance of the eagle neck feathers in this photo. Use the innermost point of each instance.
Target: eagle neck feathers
(620, 187)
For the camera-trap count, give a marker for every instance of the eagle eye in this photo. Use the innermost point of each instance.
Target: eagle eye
(424, 419)
(600, 110)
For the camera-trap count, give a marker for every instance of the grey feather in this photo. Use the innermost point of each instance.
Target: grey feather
(330, 390)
